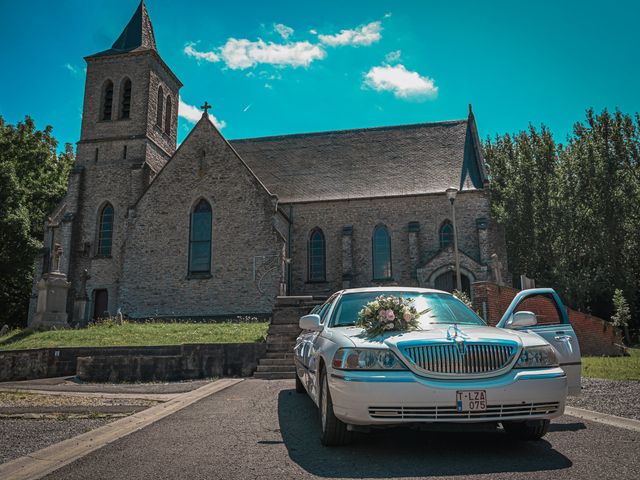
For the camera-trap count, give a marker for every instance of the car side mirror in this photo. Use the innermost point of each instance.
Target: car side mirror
(310, 322)
(522, 319)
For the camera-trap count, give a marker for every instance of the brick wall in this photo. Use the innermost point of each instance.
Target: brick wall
(596, 336)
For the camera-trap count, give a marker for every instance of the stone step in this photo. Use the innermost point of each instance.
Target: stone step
(276, 361)
(280, 347)
(276, 368)
(285, 320)
(280, 355)
(279, 340)
(274, 375)
(285, 328)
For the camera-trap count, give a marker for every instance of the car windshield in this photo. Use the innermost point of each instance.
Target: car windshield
(440, 308)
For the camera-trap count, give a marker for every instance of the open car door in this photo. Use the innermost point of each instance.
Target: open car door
(552, 325)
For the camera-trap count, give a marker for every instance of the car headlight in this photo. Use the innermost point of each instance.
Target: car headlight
(537, 357)
(366, 359)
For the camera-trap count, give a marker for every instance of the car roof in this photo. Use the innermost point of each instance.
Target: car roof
(391, 289)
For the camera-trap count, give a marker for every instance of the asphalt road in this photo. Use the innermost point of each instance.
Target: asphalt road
(263, 429)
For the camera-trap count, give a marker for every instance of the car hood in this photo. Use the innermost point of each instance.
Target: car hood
(438, 332)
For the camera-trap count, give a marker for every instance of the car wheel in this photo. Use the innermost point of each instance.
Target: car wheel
(299, 386)
(531, 430)
(334, 432)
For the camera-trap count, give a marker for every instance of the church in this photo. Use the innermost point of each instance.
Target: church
(219, 227)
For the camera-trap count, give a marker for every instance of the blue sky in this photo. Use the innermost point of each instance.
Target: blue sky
(272, 67)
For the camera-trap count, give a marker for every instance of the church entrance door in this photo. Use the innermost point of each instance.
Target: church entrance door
(447, 282)
(100, 303)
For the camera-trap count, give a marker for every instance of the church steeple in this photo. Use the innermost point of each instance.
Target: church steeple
(136, 36)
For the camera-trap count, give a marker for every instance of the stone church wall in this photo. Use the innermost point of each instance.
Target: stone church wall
(429, 211)
(155, 279)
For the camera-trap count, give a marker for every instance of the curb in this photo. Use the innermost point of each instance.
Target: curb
(612, 420)
(49, 459)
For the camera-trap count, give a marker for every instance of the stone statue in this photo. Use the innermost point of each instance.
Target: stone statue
(57, 253)
(496, 269)
(84, 276)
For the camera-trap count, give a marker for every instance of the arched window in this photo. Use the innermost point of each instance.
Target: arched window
(125, 101)
(159, 107)
(105, 230)
(167, 116)
(107, 100)
(381, 242)
(446, 234)
(200, 238)
(317, 256)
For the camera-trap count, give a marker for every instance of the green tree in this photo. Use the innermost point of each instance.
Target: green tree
(570, 212)
(33, 178)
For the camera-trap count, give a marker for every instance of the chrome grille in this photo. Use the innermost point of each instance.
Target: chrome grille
(450, 413)
(476, 358)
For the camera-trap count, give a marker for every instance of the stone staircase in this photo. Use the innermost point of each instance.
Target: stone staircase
(283, 331)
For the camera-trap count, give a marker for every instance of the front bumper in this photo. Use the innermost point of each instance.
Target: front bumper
(388, 398)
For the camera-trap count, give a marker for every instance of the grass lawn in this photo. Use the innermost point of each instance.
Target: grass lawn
(137, 334)
(613, 368)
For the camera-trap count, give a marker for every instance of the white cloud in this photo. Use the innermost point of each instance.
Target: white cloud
(206, 56)
(402, 82)
(75, 70)
(243, 53)
(392, 57)
(359, 36)
(284, 31)
(388, 15)
(313, 31)
(193, 114)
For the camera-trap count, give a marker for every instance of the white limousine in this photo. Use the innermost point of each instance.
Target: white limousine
(452, 368)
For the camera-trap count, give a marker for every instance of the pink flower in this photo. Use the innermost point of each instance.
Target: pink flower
(407, 316)
(382, 312)
(390, 315)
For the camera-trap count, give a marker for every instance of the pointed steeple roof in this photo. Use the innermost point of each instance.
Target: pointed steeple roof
(136, 36)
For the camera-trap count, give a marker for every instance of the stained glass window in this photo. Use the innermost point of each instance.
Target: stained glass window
(317, 259)
(446, 234)
(200, 239)
(105, 233)
(381, 253)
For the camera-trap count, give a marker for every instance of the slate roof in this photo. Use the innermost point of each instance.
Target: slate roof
(136, 36)
(373, 162)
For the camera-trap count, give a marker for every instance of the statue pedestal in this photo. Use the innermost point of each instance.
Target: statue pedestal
(52, 302)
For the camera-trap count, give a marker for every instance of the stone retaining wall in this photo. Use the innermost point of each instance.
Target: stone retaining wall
(596, 336)
(106, 364)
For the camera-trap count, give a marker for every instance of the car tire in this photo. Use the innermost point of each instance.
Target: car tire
(333, 431)
(299, 386)
(531, 430)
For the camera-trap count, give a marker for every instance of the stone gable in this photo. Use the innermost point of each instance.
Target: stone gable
(155, 278)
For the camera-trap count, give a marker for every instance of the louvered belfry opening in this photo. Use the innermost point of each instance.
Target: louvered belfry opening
(126, 99)
(107, 104)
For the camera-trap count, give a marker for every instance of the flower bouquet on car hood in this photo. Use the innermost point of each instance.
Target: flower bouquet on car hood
(388, 314)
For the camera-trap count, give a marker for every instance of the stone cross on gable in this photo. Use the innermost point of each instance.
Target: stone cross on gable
(205, 108)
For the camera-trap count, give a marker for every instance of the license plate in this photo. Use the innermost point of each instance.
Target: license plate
(471, 400)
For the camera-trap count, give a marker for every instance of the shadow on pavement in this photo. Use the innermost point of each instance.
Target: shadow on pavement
(402, 452)
(567, 427)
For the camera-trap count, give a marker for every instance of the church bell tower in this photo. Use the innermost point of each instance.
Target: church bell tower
(129, 128)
